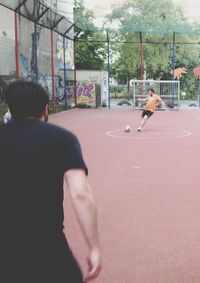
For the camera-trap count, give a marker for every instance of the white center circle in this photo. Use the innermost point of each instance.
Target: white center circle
(164, 133)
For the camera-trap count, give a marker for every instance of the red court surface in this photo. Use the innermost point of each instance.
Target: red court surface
(147, 188)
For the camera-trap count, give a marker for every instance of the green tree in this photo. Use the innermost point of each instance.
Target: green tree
(155, 20)
(90, 46)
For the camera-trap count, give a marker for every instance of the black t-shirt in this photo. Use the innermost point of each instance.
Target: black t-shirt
(33, 158)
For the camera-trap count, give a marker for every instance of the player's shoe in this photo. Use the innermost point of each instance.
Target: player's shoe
(139, 129)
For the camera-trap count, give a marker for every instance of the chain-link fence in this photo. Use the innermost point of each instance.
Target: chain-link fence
(37, 44)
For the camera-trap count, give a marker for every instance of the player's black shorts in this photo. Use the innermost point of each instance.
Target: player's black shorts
(147, 113)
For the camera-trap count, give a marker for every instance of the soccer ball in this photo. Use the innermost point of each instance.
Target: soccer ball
(127, 129)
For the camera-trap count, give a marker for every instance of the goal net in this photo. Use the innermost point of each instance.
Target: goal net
(169, 91)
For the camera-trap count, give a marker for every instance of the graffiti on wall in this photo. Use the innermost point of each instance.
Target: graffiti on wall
(86, 88)
(69, 54)
(94, 79)
(86, 92)
(25, 64)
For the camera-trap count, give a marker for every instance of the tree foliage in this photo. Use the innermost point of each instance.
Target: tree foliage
(153, 21)
(90, 46)
(146, 26)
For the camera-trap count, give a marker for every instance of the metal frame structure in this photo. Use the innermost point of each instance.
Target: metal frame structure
(42, 15)
(36, 11)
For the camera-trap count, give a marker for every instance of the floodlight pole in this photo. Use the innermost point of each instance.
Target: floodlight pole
(173, 66)
(65, 81)
(75, 83)
(141, 59)
(52, 72)
(108, 56)
(173, 56)
(35, 52)
(16, 47)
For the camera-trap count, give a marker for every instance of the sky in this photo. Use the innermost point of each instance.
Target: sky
(191, 8)
(101, 7)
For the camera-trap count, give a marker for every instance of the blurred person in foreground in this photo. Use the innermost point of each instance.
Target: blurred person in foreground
(36, 159)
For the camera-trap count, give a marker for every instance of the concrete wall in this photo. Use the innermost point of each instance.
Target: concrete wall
(7, 46)
(97, 77)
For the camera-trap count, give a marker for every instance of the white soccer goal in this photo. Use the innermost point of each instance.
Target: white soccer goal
(169, 91)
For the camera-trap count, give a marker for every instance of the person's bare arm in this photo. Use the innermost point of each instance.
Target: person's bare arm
(143, 99)
(86, 212)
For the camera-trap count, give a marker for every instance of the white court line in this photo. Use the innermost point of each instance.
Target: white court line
(113, 134)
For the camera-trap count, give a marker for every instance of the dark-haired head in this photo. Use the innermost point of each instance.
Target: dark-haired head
(26, 99)
(151, 90)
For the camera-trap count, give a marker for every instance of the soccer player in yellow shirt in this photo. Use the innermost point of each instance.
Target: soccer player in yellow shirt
(152, 101)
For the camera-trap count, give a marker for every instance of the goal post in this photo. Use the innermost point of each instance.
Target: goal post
(169, 91)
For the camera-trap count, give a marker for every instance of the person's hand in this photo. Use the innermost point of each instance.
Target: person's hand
(94, 265)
